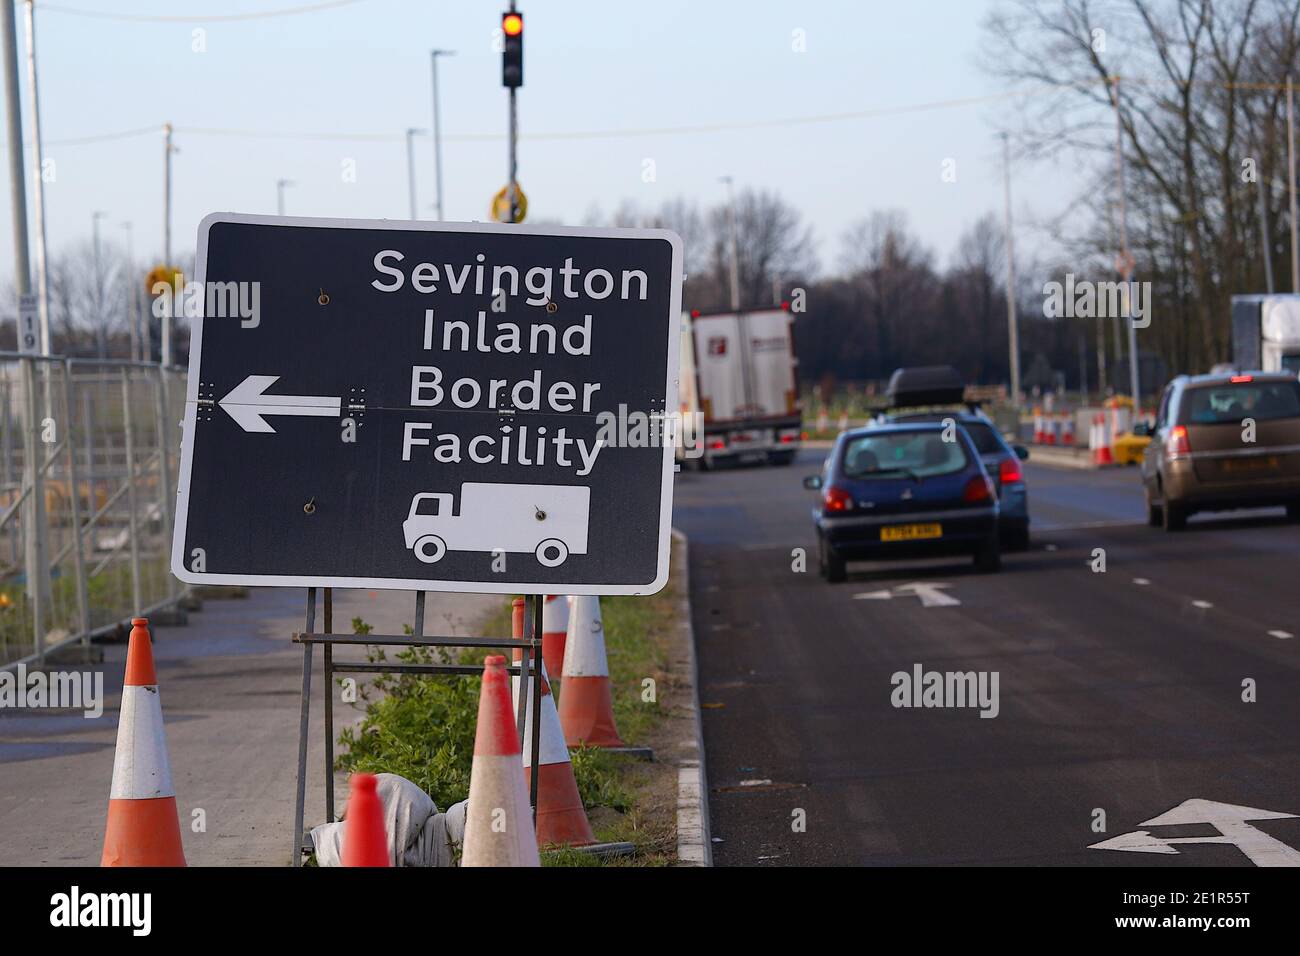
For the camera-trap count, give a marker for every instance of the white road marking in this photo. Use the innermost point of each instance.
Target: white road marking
(1049, 547)
(929, 594)
(1229, 819)
(1281, 635)
(754, 783)
(1141, 582)
(1203, 605)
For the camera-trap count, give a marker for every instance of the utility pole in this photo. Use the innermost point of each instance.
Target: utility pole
(132, 293)
(437, 129)
(1126, 259)
(1290, 161)
(38, 206)
(33, 516)
(165, 350)
(101, 327)
(731, 239)
(1013, 328)
(280, 186)
(1264, 237)
(410, 170)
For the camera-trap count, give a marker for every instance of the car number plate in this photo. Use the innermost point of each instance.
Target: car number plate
(1267, 463)
(911, 532)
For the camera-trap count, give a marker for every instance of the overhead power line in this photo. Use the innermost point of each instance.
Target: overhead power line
(196, 18)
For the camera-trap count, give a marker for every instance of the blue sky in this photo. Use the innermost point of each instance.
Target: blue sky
(363, 68)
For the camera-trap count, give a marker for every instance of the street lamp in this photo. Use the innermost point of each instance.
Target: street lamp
(437, 129)
(280, 185)
(410, 167)
(731, 230)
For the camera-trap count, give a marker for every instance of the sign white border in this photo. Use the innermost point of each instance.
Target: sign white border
(672, 321)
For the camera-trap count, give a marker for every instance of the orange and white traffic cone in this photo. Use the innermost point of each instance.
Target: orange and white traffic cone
(1101, 455)
(561, 817)
(586, 709)
(498, 820)
(843, 423)
(555, 627)
(1067, 429)
(365, 842)
(143, 826)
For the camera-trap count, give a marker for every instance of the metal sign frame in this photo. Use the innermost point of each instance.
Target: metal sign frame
(529, 698)
(672, 323)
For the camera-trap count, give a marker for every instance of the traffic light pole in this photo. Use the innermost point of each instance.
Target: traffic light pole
(514, 155)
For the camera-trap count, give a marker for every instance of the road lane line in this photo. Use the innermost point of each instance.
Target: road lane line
(1281, 635)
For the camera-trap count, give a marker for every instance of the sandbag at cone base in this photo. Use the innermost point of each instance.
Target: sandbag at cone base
(365, 842)
(143, 833)
(498, 819)
(561, 817)
(143, 826)
(587, 713)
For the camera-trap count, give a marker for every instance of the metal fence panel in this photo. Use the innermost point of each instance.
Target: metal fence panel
(88, 457)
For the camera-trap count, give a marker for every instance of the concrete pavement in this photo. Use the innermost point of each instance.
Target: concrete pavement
(230, 685)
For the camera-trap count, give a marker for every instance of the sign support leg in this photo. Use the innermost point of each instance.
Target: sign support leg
(304, 716)
(535, 655)
(327, 663)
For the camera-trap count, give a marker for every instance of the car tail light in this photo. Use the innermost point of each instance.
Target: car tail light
(1009, 471)
(837, 499)
(1240, 379)
(1178, 443)
(717, 443)
(977, 489)
(789, 437)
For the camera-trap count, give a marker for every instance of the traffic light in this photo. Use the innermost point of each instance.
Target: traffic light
(512, 52)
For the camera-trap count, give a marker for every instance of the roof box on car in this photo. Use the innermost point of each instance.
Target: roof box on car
(925, 385)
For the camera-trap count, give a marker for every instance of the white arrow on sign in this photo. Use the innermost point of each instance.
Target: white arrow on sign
(1228, 818)
(248, 402)
(930, 594)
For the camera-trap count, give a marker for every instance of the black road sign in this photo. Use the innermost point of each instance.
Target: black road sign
(429, 406)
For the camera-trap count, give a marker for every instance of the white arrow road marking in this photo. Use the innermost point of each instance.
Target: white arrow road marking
(1228, 818)
(930, 595)
(247, 403)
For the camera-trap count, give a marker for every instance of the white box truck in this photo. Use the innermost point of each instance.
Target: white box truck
(1266, 333)
(738, 372)
(549, 521)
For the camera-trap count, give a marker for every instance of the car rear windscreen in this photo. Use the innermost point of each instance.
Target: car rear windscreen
(920, 454)
(1230, 403)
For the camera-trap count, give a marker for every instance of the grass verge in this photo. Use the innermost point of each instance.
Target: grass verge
(423, 728)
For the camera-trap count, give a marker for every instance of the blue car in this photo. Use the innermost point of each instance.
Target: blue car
(911, 490)
(1003, 464)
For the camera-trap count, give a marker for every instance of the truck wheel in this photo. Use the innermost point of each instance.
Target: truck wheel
(430, 549)
(552, 552)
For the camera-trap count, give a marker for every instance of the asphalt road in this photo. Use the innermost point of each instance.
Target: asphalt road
(1120, 693)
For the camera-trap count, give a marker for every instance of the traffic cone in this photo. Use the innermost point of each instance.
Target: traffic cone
(843, 423)
(365, 843)
(555, 626)
(586, 711)
(498, 820)
(561, 818)
(1100, 446)
(143, 827)
(1067, 429)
